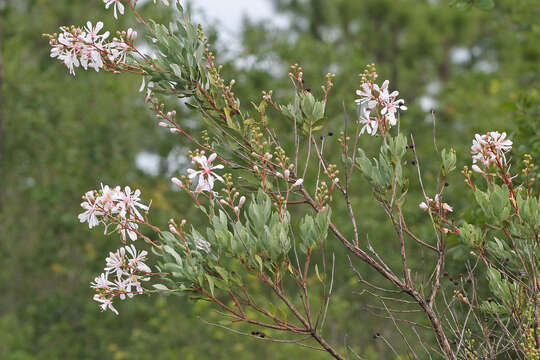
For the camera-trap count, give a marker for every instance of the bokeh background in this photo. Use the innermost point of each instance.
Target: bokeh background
(62, 135)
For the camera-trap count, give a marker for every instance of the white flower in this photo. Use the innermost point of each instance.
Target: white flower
(366, 95)
(129, 228)
(166, 2)
(131, 35)
(106, 303)
(128, 202)
(108, 197)
(137, 259)
(101, 282)
(116, 4)
(92, 210)
(370, 124)
(92, 32)
(123, 287)
(115, 262)
(206, 174)
(118, 50)
(136, 281)
(390, 105)
(298, 182)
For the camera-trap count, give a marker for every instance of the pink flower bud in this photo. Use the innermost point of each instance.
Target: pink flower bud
(131, 34)
(477, 169)
(163, 124)
(173, 229)
(177, 182)
(241, 201)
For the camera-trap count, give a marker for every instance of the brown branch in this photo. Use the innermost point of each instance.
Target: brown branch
(432, 316)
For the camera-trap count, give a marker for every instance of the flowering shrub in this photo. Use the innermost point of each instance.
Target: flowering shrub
(245, 182)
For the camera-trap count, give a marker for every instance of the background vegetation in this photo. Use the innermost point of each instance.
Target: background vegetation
(60, 136)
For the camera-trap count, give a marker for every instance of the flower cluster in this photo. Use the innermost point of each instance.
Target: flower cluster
(373, 97)
(86, 47)
(127, 270)
(435, 205)
(114, 206)
(489, 150)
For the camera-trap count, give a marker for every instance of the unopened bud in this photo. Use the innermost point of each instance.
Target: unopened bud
(477, 169)
(241, 201)
(173, 229)
(176, 181)
(286, 174)
(163, 124)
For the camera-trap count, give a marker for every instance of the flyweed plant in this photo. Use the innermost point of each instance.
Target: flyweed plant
(268, 199)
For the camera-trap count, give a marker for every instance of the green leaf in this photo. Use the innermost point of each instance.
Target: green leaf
(317, 273)
(230, 122)
(448, 159)
(160, 287)
(222, 272)
(175, 255)
(210, 283)
(259, 261)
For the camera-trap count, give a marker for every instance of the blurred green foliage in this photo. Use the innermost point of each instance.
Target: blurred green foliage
(61, 136)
